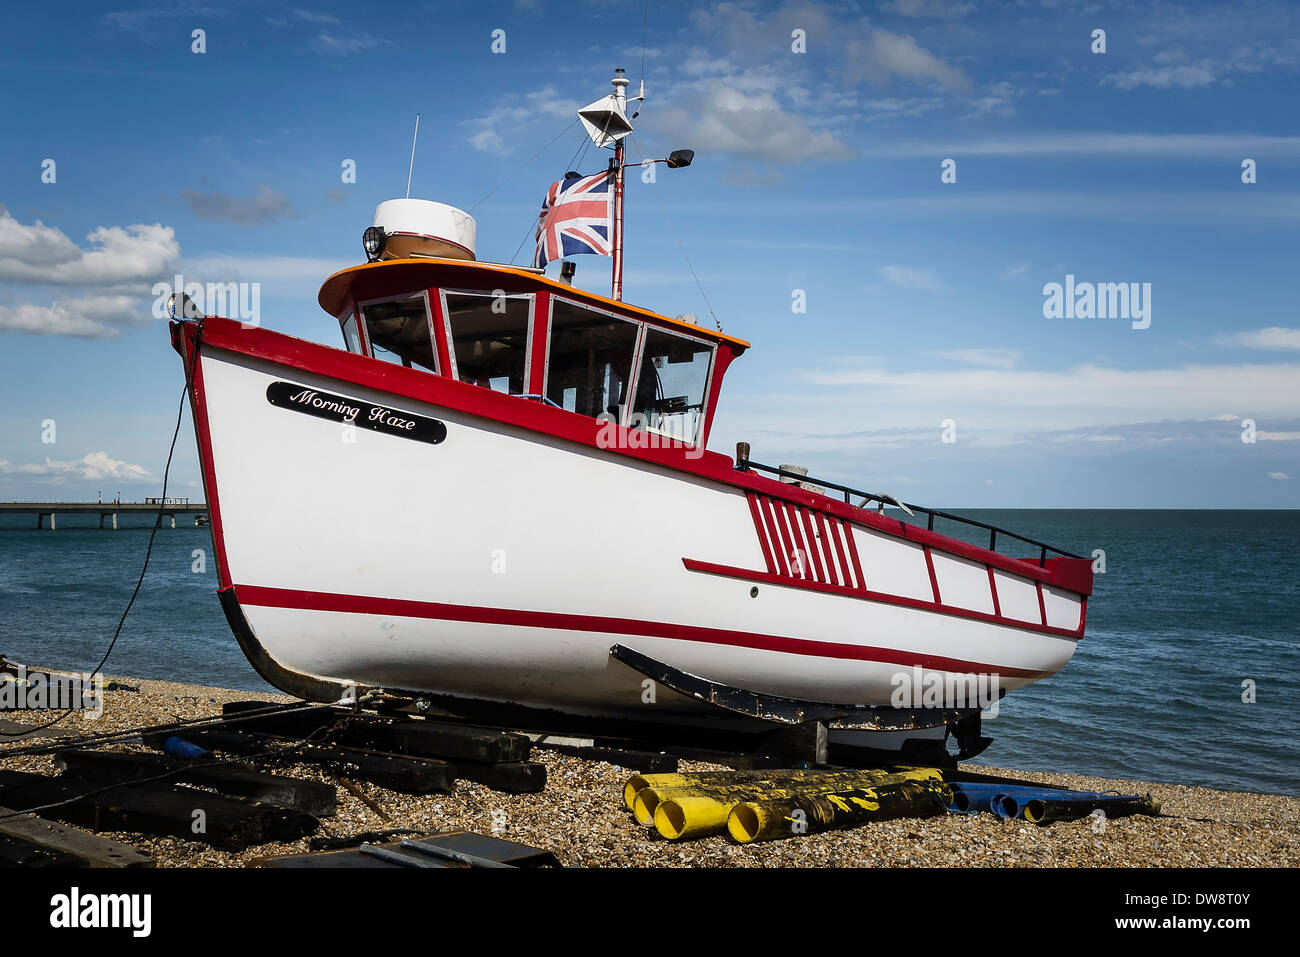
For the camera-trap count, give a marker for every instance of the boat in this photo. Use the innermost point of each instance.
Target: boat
(497, 501)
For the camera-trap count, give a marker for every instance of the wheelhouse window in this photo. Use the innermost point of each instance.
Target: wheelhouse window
(589, 366)
(672, 385)
(489, 338)
(351, 333)
(399, 330)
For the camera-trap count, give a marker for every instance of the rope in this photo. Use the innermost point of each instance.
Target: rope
(180, 411)
(520, 168)
(295, 746)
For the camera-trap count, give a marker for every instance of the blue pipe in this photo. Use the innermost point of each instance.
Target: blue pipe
(1008, 800)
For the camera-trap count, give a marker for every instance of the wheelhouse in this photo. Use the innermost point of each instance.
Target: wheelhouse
(515, 331)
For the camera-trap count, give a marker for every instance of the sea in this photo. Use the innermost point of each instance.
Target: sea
(1189, 671)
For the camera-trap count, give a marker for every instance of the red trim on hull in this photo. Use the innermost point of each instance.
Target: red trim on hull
(259, 343)
(934, 579)
(730, 571)
(257, 595)
(826, 546)
(762, 534)
(198, 399)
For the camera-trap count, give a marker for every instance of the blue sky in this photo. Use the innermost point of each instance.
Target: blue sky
(816, 171)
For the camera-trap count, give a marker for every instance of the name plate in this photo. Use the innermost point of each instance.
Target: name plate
(362, 415)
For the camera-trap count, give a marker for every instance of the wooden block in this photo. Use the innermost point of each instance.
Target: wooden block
(438, 740)
(310, 797)
(93, 851)
(509, 777)
(156, 809)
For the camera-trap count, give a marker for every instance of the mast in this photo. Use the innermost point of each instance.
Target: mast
(607, 123)
(620, 102)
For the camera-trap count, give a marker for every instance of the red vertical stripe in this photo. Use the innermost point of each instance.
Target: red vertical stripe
(778, 549)
(845, 571)
(826, 545)
(853, 552)
(934, 579)
(801, 548)
(993, 589)
(762, 532)
(540, 335)
(1042, 606)
(814, 548)
(440, 333)
(787, 547)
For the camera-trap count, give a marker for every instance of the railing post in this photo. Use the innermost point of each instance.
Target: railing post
(742, 456)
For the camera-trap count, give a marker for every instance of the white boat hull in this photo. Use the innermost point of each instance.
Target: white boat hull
(501, 564)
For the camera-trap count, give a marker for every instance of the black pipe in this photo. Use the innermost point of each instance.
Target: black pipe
(1046, 810)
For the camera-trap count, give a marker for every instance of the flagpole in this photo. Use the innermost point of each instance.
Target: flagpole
(617, 291)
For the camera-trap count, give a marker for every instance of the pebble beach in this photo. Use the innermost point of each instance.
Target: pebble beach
(581, 818)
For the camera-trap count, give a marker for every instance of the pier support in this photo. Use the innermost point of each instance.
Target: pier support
(115, 521)
(173, 519)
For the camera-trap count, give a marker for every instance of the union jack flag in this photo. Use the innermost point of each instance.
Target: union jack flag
(576, 218)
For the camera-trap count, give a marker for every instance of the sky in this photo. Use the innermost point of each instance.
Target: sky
(882, 198)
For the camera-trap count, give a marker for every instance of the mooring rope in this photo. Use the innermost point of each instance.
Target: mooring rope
(117, 632)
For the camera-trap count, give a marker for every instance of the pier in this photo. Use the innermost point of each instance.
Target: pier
(164, 508)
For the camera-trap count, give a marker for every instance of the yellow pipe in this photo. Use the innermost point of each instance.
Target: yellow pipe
(802, 814)
(647, 799)
(688, 778)
(691, 813)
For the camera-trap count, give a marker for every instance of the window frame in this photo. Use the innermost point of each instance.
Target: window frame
(362, 325)
(454, 373)
(625, 409)
(706, 410)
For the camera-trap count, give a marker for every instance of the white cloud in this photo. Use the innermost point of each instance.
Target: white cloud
(95, 466)
(314, 17)
(1185, 76)
(998, 101)
(1189, 146)
(499, 127)
(1273, 338)
(117, 255)
(941, 9)
(329, 44)
(988, 358)
(1280, 476)
(91, 316)
(910, 278)
(1139, 394)
(724, 119)
(1015, 272)
(884, 55)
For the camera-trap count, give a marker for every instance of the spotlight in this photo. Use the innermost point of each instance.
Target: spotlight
(373, 239)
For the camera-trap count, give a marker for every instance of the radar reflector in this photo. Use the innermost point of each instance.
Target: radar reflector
(606, 120)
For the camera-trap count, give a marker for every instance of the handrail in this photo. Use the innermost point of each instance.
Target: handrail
(744, 463)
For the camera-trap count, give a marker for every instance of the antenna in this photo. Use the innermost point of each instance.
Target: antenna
(410, 169)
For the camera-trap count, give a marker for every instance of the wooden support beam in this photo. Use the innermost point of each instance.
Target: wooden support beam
(401, 773)
(88, 849)
(156, 809)
(311, 797)
(509, 777)
(420, 736)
